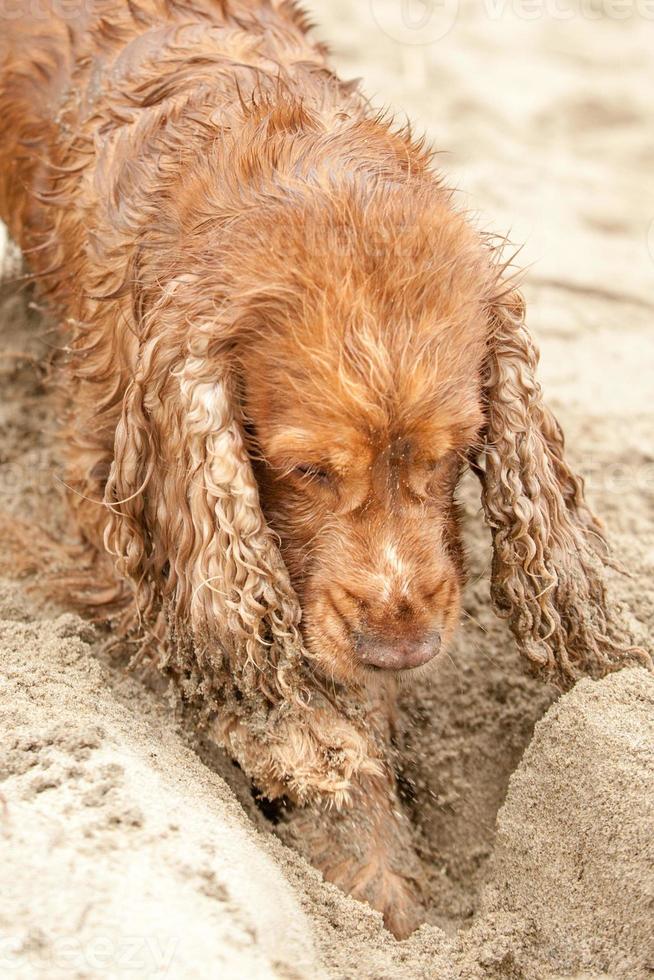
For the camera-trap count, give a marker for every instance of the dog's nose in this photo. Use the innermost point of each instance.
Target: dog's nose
(385, 653)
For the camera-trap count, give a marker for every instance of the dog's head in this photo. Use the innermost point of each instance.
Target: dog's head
(362, 395)
(319, 380)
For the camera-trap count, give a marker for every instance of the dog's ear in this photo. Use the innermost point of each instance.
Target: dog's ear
(127, 534)
(185, 524)
(235, 570)
(549, 554)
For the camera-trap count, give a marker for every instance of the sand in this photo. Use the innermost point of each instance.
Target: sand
(128, 849)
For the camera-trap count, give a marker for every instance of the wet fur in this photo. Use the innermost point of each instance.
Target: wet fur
(238, 247)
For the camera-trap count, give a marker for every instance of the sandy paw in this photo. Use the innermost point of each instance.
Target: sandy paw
(313, 759)
(396, 896)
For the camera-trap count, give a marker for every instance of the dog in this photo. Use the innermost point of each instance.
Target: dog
(282, 344)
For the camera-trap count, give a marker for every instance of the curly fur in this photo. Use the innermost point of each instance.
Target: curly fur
(281, 343)
(548, 548)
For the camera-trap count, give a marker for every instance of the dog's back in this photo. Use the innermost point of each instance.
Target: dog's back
(75, 90)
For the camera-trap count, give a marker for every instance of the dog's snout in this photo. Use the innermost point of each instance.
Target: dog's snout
(401, 653)
(390, 633)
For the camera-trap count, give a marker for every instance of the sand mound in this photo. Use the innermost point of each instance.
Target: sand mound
(121, 851)
(574, 852)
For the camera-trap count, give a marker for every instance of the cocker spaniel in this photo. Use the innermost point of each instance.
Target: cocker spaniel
(282, 345)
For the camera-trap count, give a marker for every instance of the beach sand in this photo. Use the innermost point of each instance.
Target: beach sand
(128, 848)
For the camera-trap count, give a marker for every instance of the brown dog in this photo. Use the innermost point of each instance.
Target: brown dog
(283, 344)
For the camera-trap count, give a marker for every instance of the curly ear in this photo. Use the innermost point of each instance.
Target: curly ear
(549, 554)
(234, 574)
(127, 534)
(185, 526)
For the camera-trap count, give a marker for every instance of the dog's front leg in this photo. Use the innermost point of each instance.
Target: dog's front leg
(366, 849)
(365, 845)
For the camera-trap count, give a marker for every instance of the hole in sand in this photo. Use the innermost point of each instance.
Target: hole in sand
(463, 730)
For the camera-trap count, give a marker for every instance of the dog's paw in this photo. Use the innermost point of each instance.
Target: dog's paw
(395, 895)
(366, 850)
(313, 759)
(323, 756)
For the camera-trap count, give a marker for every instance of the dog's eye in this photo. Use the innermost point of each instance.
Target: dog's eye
(314, 473)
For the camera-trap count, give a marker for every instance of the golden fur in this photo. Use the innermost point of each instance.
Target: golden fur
(282, 344)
